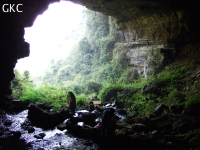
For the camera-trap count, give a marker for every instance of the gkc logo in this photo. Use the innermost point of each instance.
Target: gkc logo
(11, 8)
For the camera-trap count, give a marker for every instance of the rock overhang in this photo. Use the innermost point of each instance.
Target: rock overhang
(161, 24)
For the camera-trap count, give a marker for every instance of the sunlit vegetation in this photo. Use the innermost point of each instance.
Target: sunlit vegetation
(93, 69)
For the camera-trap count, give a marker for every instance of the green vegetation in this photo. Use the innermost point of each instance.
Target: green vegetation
(81, 100)
(194, 137)
(23, 89)
(98, 66)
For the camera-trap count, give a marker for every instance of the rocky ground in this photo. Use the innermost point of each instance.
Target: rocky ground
(167, 128)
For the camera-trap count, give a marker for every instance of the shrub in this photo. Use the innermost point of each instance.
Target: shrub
(81, 100)
(92, 87)
(32, 95)
(109, 91)
(195, 99)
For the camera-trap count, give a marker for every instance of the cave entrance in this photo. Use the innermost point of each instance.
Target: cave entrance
(52, 36)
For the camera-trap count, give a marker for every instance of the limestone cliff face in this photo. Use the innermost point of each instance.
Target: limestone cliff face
(151, 31)
(153, 40)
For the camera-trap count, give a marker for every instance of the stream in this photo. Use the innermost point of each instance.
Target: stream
(53, 140)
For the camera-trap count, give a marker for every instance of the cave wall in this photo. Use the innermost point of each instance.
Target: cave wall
(152, 31)
(13, 20)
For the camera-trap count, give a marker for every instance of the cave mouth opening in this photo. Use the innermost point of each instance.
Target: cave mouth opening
(52, 36)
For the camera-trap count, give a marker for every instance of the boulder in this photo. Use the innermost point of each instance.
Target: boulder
(130, 121)
(26, 124)
(159, 110)
(44, 106)
(123, 125)
(75, 120)
(17, 102)
(8, 122)
(89, 118)
(62, 126)
(132, 114)
(40, 136)
(44, 119)
(162, 123)
(17, 105)
(139, 128)
(122, 112)
(70, 126)
(99, 109)
(31, 129)
(143, 120)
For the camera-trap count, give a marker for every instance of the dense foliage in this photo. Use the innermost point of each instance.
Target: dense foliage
(91, 63)
(24, 89)
(97, 67)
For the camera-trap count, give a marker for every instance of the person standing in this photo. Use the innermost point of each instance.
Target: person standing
(108, 124)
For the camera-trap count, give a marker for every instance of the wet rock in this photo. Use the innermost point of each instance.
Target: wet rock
(132, 114)
(130, 121)
(160, 109)
(99, 109)
(40, 136)
(44, 106)
(26, 102)
(152, 116)
(62, 126)
(123, 125)
(17, 105)
(89, 118)
(108, 105)
(122, 112)
(154, 132)
(7, 122)
(44, 119)
(85, 131)
(17, 102)
(75, 120)
(143, 120)
(26, 124)
(70, 126)
(16, 134)
(139, 128)
(80, 112)
(30, 129)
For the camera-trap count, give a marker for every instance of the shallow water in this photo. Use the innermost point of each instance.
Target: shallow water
(54, 139)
